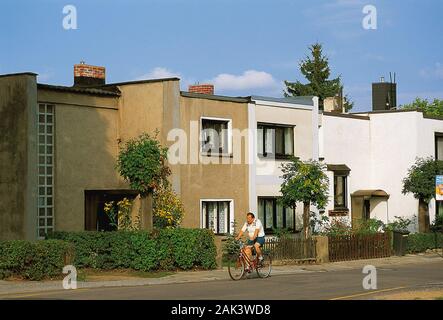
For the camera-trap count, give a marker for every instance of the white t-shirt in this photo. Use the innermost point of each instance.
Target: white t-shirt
(256, 224)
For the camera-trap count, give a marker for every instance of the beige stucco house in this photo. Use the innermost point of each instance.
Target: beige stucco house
(59, 147)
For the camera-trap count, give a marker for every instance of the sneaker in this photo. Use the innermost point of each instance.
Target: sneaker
(260, 262)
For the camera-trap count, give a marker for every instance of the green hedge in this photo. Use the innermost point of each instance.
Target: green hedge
(34, 260)
(166, 249)
(420, 242)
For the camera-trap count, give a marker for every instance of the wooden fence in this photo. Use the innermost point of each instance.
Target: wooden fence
(291, 248)
(355, 247)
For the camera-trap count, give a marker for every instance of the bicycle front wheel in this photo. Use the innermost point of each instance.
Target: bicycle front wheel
(265, 266)
(236, 267)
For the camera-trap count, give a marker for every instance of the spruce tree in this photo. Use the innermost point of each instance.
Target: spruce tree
(315, 69)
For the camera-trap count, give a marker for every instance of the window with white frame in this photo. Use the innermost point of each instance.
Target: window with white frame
(215, 136)
(45, 169)
(275, 140)
(217, 216)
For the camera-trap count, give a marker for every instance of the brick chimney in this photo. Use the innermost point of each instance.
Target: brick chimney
(87, 75)
(202, 88)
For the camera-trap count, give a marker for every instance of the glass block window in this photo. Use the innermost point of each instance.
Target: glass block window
(45, 169)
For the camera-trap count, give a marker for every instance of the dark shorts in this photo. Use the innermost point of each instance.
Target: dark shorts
(260, 240)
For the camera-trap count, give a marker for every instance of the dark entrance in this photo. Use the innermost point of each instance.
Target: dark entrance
(367, 209)
(95, 217)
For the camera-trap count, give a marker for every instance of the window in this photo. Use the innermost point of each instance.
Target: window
(439, 146)
(274, 215)
(217, 216)
(275, 140)
(45, 207)
(215, 136)
(340, 192)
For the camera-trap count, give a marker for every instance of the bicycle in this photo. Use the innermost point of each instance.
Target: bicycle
(240, 264)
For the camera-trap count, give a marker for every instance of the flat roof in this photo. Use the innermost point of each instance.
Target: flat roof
(345, 115)
(82, 90)
(136, 82)
(18, 74)
(303, 100)
(215, 97)
(386, 111)
(426, 116)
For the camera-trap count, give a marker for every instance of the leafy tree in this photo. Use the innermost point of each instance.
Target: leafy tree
(304, 182)
(434, 108)
(142, 162)
(420, 181)
(315, 69)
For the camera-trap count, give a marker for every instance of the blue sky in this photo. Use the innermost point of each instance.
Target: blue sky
(243, 46)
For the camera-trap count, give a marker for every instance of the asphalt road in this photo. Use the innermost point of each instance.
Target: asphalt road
(345, 284)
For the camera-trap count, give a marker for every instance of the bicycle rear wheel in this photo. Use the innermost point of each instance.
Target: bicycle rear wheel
(236, 267)
(265, 266)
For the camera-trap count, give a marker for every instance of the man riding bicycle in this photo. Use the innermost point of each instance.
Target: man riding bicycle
(256, 234)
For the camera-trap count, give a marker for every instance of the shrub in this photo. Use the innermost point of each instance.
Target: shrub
(168, 209)
(420, 242)
(139, 250)
(34, 261)
(368, 227)
(281, 233)
(230, 246)
(400, 224)
(437, 225)
(337, 227)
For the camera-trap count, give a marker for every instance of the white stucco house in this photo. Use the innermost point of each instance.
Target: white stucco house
(278, 128)
(369, 154)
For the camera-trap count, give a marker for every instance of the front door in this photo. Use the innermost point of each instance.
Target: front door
(367, 209)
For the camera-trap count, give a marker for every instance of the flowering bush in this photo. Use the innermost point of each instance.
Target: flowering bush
(168, 208)
(121, 217)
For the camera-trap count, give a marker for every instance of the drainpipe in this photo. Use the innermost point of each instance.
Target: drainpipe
(315, 142)
(315, 123)
(387, 211)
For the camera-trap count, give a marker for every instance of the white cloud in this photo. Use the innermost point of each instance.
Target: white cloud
(436, 72)
(159, 73)
(250, 79)
(44, 76)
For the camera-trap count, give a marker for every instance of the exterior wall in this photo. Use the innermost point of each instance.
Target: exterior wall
(148, 107)
(379, 153)
(223, 179)
(346, 141)
(86, 133)
(394, 145)
(267, 173)
(140, 109)
(18, 157)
